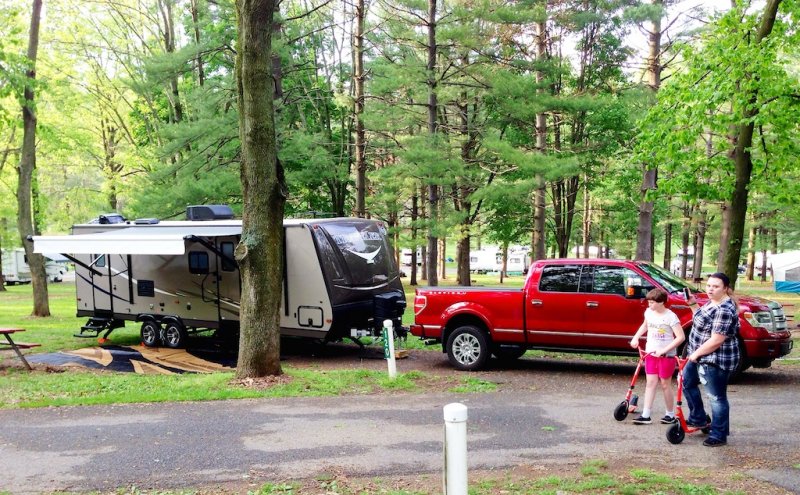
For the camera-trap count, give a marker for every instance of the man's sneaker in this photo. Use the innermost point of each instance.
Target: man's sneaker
(668, 420)
(642, 420)
(714, 442)
(692, 424)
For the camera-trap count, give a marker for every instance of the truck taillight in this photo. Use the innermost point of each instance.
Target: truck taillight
(419, 304)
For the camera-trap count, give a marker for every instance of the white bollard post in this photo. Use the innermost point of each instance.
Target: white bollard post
(388, 347)
(455, 449)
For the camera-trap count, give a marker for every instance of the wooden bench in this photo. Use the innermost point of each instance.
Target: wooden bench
(20, 345)
(16, 346)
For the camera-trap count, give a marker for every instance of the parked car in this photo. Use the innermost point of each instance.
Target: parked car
(576, 305)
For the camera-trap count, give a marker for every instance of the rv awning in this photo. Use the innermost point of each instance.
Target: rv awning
(131, 240)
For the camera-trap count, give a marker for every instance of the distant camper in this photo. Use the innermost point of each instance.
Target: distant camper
(180, 277)
(17, 271)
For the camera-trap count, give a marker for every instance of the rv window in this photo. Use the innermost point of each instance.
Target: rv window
(228, 265)
(198, 262)
(99, 260)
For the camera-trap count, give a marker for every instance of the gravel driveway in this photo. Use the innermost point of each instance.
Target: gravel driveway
(547, 415)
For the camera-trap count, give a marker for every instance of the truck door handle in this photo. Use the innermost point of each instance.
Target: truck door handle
(536, 302)
(592, 304)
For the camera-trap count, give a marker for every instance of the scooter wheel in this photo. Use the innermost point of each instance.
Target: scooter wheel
(621, 412)
(675, 434)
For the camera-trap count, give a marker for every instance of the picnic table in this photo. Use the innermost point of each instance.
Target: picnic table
(16, 346)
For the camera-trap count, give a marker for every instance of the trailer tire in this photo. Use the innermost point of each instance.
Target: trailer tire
(175, 335)
(151, 333)
(468, 348)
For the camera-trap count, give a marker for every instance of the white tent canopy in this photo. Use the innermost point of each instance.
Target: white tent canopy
(131, 240)
(786, 271)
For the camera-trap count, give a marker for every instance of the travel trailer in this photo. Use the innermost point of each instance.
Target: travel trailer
(518, 262)
(484, 261)
(176, 278)
(16, 269)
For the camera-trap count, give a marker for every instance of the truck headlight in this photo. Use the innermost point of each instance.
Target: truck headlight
(761, 319)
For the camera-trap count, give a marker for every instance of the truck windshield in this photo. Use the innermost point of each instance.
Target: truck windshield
(362, 247)
(667, 280)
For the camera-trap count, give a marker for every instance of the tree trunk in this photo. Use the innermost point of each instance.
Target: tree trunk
(165, 7)
(724, 234)
(27, 171)
(743, 161)
(751, 254)
(644, 231)
(667, 246)
(699, 247)
(539, 204)
(358, 115)
(414, 217)
(685, 227)
(433, 106)
(587, 219)
(201, 76)
(260, 252)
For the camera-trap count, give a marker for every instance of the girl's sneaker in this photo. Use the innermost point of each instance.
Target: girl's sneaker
(642, 420)
(668, 420)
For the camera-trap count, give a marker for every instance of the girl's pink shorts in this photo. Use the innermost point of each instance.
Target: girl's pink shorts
(661, 366)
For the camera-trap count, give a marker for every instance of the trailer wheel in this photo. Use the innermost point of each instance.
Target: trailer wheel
(468, 348)
(621, 411)
(150, 333)
(675, 434)
(175, 336)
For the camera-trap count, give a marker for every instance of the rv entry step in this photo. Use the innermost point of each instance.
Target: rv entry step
(96, 325)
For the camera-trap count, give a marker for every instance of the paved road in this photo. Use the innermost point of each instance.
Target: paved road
(193, 444)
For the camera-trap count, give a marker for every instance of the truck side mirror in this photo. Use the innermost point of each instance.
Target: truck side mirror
(634, 288)
(633, 292)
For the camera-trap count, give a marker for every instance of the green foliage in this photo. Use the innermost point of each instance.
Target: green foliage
(126, 122)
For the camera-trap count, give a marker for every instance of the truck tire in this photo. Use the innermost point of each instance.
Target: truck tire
(151, 334)
(468, 348)
(508, 352)
(175, 335)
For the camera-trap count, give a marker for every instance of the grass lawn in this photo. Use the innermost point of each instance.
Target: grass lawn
(21, 389)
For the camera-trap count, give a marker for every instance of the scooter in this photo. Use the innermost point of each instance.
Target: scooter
(628, 406)
(677, 432)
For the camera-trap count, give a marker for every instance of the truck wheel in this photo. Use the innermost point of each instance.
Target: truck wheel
(468, 348)
(175, 336)
(150, 334)
(508, 352)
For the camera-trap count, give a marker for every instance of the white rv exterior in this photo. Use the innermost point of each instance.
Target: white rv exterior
(518, 262)
(17, 271)
(179, 277)
(484, 261)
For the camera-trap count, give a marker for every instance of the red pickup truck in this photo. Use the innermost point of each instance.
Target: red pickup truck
(576, 305)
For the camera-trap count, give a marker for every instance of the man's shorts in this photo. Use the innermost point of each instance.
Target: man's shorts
(662, 366)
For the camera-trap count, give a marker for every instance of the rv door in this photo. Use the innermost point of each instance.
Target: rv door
(229, 280)
(101, 283)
